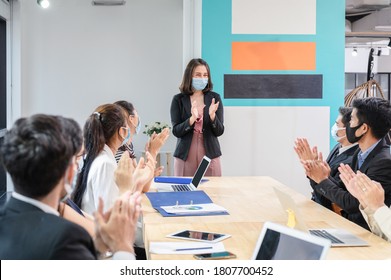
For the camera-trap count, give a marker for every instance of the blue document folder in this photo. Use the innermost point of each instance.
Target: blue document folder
(159, 199)
(175, 180)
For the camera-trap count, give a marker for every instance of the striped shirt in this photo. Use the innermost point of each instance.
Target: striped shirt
(123, 149)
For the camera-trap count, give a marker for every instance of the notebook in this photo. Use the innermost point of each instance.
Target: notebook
(278, 242)
(195, 181)
(338, 237)
(160, 199)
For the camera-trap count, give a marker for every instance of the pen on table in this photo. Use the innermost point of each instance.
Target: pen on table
(189, 249)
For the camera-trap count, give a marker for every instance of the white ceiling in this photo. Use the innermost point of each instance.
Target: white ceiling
(368, 22)
(364, 6)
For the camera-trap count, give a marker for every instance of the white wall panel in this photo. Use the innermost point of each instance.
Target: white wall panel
(260, 140)
(273, 16)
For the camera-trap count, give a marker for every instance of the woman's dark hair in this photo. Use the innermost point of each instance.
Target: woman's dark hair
(186, 85)
(99, 128)
(127, 106)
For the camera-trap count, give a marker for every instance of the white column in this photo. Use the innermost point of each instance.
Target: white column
(192, 30)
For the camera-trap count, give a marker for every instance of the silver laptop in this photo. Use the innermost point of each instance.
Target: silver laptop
(278, 242)
(199, 174)
(338, 237)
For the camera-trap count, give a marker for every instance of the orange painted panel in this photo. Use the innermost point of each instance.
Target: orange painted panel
(273, 55)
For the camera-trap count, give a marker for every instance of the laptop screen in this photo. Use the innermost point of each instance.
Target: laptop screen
(278, 242)
(200, 171)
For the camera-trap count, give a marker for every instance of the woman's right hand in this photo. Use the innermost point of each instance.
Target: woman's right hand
(123, 174)
(194, 112)
(156, 141)
(143, 173)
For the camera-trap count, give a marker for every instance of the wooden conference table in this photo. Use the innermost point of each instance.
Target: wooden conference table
(251, 201)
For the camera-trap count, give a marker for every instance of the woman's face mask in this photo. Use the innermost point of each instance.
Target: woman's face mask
(199, 83)
(138, 126)
(127, 137)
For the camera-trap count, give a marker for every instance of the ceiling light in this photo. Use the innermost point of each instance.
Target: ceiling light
(354, 52)
(108, 2)
(389, 44)
(43, 3)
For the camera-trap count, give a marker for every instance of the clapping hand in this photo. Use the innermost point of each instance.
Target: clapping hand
(348, 176)
(304, 151)
(156, 141)
(194, 110)
(144, 172)
(116, 229)
(372, 192)
(368, 192)
(123, 173)
(212, 109)
(317, 170)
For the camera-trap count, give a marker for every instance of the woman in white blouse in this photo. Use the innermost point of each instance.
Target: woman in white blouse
(105, 131)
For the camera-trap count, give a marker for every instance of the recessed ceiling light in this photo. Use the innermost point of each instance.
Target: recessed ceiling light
(43, 3)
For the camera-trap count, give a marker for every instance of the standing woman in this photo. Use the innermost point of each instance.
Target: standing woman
(104, 132)
(197, 119)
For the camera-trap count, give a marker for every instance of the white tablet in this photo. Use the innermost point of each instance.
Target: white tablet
(203, 236)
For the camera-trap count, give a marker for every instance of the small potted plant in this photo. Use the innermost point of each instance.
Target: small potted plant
(156, 127)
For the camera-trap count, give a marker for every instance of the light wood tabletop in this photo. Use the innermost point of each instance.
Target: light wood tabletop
(251, 201)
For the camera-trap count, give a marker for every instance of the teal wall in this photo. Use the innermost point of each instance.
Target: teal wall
(330, 43)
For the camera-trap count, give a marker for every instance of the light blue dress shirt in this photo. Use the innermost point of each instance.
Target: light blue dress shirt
(363, 155)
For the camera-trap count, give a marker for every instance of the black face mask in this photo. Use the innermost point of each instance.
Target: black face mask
(351, 133)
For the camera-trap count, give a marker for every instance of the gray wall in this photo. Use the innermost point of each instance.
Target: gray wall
(75, 56)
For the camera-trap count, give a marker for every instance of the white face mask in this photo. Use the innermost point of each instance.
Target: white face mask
(80, 164)
(334, 130)
(68, 188)
(68, 191)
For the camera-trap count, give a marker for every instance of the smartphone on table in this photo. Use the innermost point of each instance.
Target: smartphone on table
(215, 256)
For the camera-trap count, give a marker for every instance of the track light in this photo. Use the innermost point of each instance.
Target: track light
(389, 44)
(43, 3)
(354, 52)
(108, 2)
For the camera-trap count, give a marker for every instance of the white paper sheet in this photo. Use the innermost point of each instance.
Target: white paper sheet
(194, 208)
(193, 248)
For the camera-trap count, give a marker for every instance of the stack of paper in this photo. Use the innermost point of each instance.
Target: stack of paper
(209, 208)
(185, 247)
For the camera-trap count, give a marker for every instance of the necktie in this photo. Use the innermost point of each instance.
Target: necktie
(336, 153)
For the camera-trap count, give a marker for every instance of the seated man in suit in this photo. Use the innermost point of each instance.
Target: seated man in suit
(41, 162)
(342, 152)
(370, 122)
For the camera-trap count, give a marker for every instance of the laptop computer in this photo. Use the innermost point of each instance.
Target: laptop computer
(278, 242)
(195, 181)
(338, 237)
